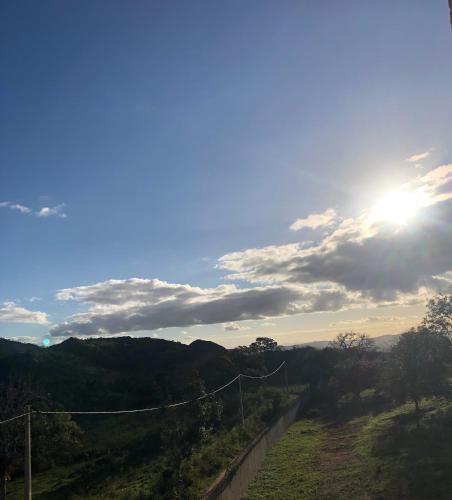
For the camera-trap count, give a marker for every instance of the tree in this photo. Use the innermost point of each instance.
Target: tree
(13, 400)
(419, 365)
(355, 368)
(187, 427)
(55, 438)
(353, 342)
(439, 315)
(354, 375)
(264, 344)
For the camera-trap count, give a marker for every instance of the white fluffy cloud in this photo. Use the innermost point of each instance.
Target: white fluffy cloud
(314, 221)
(56, 211)
(15, 206)
(12, 313)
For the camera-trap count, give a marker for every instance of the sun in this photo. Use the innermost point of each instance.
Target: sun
(398, 207)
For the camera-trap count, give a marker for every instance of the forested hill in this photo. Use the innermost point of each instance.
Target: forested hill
(143, 455)
(9, 347)
(115, 372)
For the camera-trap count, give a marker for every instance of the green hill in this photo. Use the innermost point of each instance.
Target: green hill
(171, 453)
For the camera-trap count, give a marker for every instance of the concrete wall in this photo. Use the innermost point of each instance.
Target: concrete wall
(234, 481)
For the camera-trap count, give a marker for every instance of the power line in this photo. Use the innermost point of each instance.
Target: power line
(15, 418)
(144, 410)
(264, 376)
(141, 410)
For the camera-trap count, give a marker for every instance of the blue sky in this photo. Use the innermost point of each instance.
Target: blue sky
(171, 134)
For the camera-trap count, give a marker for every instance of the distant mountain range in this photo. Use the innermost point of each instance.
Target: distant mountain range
(383, 343)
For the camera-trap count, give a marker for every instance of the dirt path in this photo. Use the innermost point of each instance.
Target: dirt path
(314, 461)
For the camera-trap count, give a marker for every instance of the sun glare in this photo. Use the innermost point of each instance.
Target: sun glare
(398, 207)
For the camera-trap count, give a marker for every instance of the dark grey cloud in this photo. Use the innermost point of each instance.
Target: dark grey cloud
(379, 262)
(379, 266)
(115, 308)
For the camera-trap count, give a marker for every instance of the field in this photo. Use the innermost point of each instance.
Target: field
(384, 456)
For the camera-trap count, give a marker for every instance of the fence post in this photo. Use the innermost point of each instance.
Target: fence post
(241, 400)
(27, 458)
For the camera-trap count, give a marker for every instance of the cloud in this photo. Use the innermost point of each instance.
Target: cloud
(26, 340)
(234, 327)
(185, 337)
(381, 262)
(362, 262)
(416, 158)
(21, 208)
(118, 306)
(15, 206)
(314, 221)
(11, 313)
(375, 319)
(57, 211)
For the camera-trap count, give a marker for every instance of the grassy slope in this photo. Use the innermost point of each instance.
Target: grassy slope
(386, 456)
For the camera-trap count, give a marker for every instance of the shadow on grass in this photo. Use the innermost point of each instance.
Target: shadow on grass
(420, 448)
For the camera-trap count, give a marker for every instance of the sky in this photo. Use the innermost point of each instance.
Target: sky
(223, 170)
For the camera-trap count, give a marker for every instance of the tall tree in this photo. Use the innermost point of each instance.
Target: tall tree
(355, 369)
(419, 365)
(264, 344)
(353, 342)
(55, 438)
(439, 315)
(13, 400)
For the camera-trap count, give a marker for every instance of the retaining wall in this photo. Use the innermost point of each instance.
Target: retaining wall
(234, 481)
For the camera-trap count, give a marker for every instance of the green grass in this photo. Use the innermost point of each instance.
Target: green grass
(290, 468)
(383, 456)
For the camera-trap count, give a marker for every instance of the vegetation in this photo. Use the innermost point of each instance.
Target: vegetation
(172, 453)
(376, 425)
(57, 438)
(362, 436)
(419, 363)
(372, 456)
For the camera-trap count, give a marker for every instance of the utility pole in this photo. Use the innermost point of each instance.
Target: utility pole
(285, 377)
(241, 401)
(27, 458)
